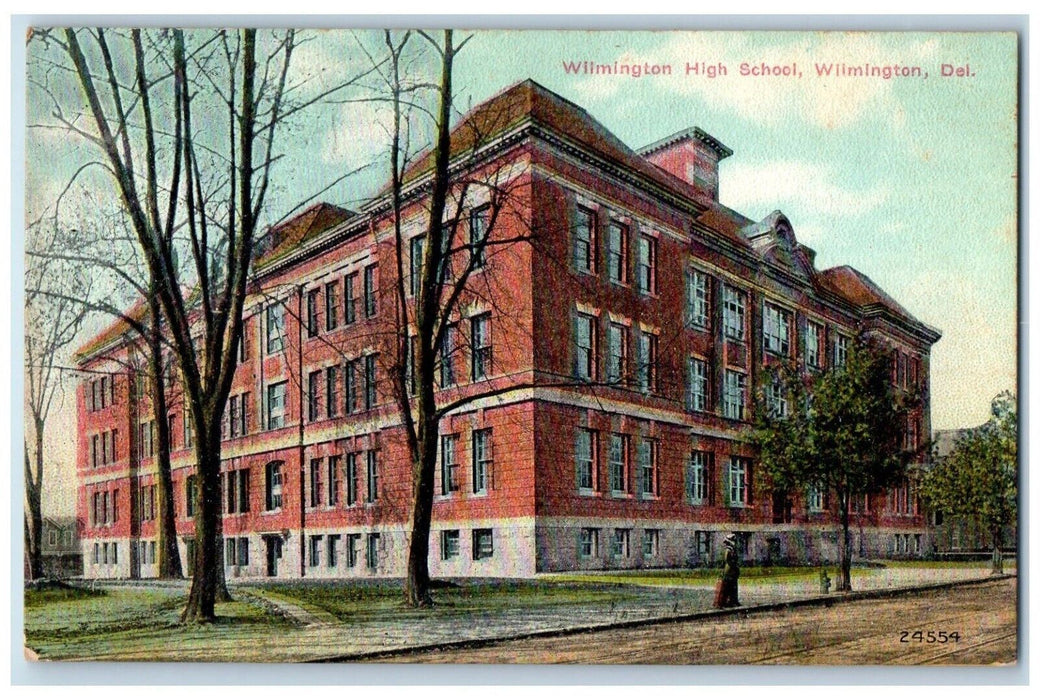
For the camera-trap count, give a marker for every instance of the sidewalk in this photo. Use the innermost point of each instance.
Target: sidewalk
(314, 635)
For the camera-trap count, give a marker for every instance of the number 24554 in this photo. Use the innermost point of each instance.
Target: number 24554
(929, 637)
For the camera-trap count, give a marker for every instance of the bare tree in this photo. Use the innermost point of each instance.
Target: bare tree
(186, 124)
(103, 250)
(51, 325)
(144, 95)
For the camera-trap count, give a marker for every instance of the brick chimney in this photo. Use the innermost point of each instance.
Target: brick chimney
(692, 155)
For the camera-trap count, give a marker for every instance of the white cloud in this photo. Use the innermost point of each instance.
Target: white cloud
(360, 131)
(800, 186)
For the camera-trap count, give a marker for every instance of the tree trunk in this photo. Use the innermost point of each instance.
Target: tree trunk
(169, 562)
(998, 558)
(845, 572)
(417, 579)
(205, 580)
(34, 513)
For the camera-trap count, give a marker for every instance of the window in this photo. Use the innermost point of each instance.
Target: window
(617, 252)
(619, 543)
(776, 330)
(841, 350)
(697, 478)
(370, 291)
(274, 486)
(776, 399)
(588, 542)
(350, 298)
(646, 268)
(449, 464)
(447, 363)
(189, 430)
(145, 441)
(351, 479)
(585, 444)
(312, 314)
(651, 543)
(190, 495)
(411, 348)
(449, 544)
(480, 344)
(331, 305)
(230, 551)
(276, 405)
(370, 381)
(813, 338)
(314, 551)
(585, 347)
(733, 313)
(583, 234)
(276, 328)
(735, 395)
(315, 483)
(237, 410)
(146, 502)
(372, 551)
(478, 231)
(52, 538)
(372, 477)
(483, 544)
(115, 552)
(350, 404)
(331, 391)
(697, 308)
(331, 551)
(815, 499)
(737, 482)
(860, 503)
(618, 464)
(617, 353)
(646, 375)
(482, 459)
(238, 491)
(415, 263)
(647, 468)
(696, 384)
(313, 395)
(97, 548)
(352, 550)
(333, 479)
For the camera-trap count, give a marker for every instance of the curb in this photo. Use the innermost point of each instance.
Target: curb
(743, 611)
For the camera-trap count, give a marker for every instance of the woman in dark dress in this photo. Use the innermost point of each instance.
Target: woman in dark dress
(726, 590)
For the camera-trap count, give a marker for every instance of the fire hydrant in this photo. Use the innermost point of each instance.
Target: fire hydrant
(825, 582)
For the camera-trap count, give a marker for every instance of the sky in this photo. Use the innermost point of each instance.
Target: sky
(911, 179)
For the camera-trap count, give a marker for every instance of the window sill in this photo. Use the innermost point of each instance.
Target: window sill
(622, 495)
(588, 492)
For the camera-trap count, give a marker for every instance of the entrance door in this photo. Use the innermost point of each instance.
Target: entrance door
(274, 553)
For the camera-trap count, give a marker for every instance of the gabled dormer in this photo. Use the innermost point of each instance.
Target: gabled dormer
(773, 239)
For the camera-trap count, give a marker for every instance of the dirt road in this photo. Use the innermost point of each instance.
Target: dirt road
(983, 616)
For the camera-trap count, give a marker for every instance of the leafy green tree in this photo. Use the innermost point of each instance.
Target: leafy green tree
(841, 431)
(978, 480)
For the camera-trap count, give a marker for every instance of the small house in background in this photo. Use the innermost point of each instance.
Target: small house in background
(62, 557)
(957, 537)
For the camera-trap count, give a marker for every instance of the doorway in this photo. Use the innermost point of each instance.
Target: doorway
(274, 553)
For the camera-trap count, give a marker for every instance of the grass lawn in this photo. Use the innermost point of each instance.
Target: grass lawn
(1009, 564)
(96, 623)
(358, 603)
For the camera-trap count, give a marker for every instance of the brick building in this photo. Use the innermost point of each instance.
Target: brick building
(610, 354)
